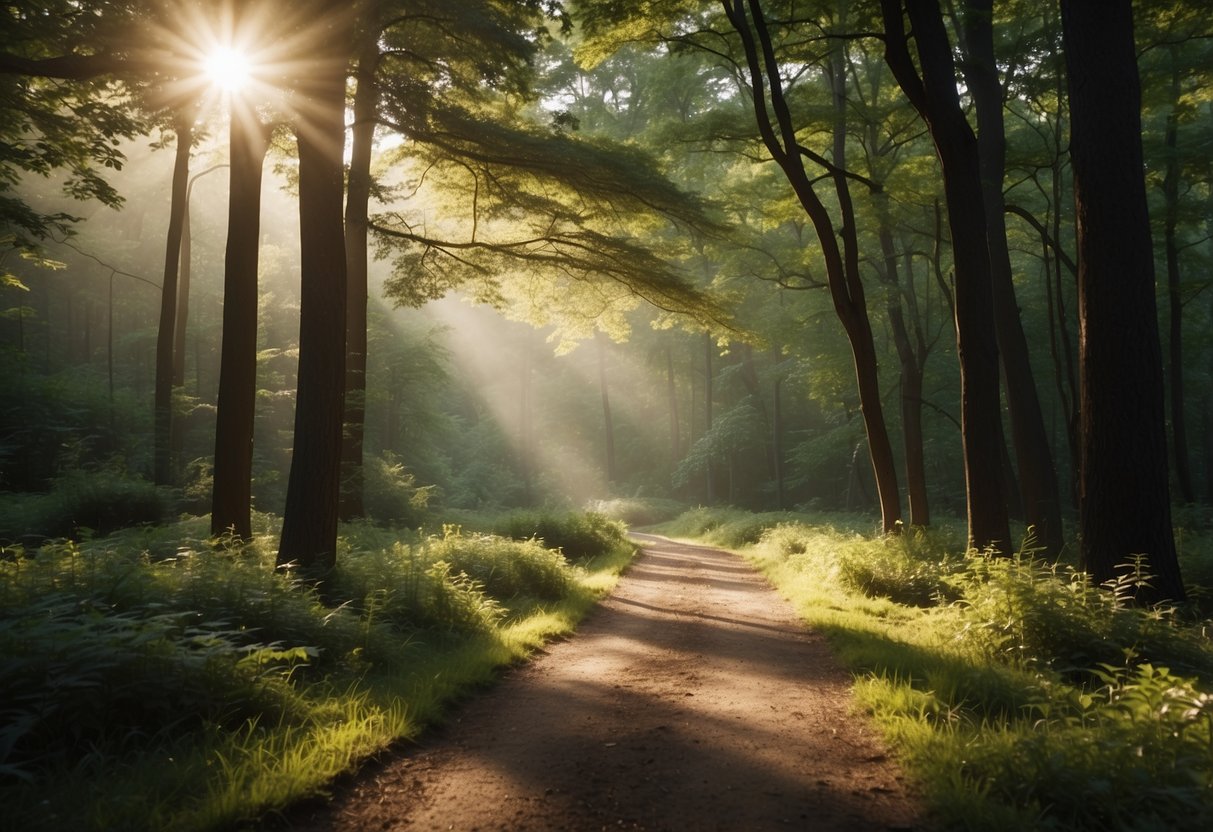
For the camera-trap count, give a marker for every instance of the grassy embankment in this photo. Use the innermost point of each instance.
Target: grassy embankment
(155, 679)
(1015, 694)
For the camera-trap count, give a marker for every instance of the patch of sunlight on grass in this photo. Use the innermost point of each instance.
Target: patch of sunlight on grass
(985, 675)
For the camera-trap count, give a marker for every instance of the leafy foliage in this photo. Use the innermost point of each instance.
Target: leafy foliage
(1016, 692)
(84, 502)
(157, 645)
(578, 535)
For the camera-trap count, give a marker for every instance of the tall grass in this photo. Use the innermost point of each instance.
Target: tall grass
(1016, 694)
(161, 680)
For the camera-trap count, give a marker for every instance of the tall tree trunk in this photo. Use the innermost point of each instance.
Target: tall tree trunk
(231, 500)
(672, 394)
(357, 206)
(775, 126)
(183, 123)
(309, 523)
(183, 283)
(526, 441)
(911, 373)
(608, 425)
(777, 442)
(1175, 352)
(1124, 488)
(934, 95)
(708, 349)
(1037, 473)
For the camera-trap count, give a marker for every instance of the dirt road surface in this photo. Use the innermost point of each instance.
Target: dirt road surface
(691, 699)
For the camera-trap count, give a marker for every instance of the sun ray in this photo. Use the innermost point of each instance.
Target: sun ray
(229, 69)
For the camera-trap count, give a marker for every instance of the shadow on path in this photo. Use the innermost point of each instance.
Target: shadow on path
(691, 699)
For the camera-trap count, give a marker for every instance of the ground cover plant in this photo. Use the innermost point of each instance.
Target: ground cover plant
(1017, 694)
(158, 679)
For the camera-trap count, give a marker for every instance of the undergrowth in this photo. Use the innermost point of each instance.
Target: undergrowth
(158, 679)
(1016, 694)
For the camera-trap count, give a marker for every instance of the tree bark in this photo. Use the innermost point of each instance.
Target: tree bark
(309, 524)
(163, 409)
(934, 95)
(1037, 473)
(672, 394)
(357, 207)
(1124, 489)
(231, 500)
(841, 263)
(608, 425)
(708, 349)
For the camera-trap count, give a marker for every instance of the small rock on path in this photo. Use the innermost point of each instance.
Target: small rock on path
(690, 699)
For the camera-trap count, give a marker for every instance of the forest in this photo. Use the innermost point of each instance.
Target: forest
(342, 342)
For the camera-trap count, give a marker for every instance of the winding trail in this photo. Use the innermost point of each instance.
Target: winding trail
(690, 699)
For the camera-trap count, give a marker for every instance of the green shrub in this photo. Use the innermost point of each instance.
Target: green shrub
(86, 501)
(579, 535)
(507, 569)
(1033, 614)
(907, 568)
(638, 511)
(408, 589)
(391, 494)
(81, 681)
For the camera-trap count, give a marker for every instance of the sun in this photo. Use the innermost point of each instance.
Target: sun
(229, 69)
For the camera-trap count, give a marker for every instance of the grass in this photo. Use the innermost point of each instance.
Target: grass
(156, 679)
(1015, 694)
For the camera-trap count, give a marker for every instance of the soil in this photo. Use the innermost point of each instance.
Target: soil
(690, 699)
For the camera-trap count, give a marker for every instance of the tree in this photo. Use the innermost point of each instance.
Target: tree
(1037, 475)
(183, 124)
(779, 136)
(1124, 489)
(932, 90)
(366, 113)
(231, 501)
(309, 523)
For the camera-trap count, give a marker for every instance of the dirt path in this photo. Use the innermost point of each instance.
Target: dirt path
(691, 699)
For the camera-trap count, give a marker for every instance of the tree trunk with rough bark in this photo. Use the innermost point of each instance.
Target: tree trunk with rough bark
(934, 94)
(1037, 474)
(231, 501)
(309, 523)
(357, 207)
(1124, 488)
(779, 135)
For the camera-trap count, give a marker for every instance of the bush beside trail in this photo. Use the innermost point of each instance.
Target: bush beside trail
(1016, 693)
(158, 678)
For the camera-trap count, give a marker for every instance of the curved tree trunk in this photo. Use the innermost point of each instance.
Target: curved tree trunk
(231, 501)
(1037, 473)
(1124, 488)
(842, 264)
(935, 96)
